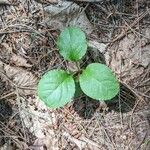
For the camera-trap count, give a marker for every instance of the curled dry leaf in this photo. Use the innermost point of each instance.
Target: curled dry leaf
(19, 61)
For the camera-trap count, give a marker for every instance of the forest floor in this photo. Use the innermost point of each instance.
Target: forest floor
(118, 31)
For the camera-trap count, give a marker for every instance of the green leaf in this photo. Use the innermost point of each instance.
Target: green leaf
(56, 88)
(72, 43)
(98, 82)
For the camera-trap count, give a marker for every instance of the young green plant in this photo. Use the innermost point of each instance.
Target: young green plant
(57, 87)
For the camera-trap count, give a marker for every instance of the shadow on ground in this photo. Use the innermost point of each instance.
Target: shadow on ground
(124, 102)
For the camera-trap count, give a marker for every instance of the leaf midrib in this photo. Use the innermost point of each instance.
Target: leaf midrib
(57, 87)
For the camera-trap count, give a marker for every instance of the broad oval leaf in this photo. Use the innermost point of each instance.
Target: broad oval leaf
(98, 82)
(72, 43)
(56, 88)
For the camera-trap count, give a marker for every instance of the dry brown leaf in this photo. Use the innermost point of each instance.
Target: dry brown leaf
(81, 144)
(4, 2)
(19, 77)
(7, 47)
(5, 51)
(67, 13)
(7, 54)
(25, 80)
(38, 144)
(47, 1)
(1, 66)
(39, 119)
(93, 1)
(19, 61)
(41, 143)
(99, 46)
(130, 56)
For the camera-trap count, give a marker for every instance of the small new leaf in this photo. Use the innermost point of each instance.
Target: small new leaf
(72, 43)
(56, 88)
(98, 82)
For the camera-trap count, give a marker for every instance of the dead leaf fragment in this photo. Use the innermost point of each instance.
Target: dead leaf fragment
(81, 144)
(24, 80)
(95, 44)
(4, 2)
(47, 1)
(19, 61)
(39, 119)
(41, 143)
(8, 55)
(92, 1)
(67, 13)
(131, 56)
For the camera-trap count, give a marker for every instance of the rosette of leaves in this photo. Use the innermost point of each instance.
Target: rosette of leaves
(57, 87)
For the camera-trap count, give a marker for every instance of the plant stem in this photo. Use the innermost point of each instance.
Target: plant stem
(78, 66)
